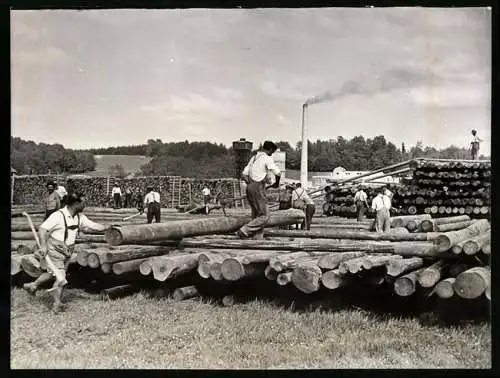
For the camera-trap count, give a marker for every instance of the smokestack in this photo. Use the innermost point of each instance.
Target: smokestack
(303, 155)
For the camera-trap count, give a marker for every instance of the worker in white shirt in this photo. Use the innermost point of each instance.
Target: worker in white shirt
(361, 202)
(382, 204)
(302, 201)
(61, 192)
(206, 197)
(152, 203)
(57, 239)
(474, 145)
(260, 171)
(116, 193)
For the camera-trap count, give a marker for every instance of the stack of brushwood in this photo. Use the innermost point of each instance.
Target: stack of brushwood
(447, 189)
(339, 200)
(439, 258)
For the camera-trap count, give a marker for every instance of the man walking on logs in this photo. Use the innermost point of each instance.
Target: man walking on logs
(302, 201)
(259, 172)
(361, 202)
(116, 193)
(382, 204)
(57, 241)
(52, 202)
(474, 145)
(152, 203)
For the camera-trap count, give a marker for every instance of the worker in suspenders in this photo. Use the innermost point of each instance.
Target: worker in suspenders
(57, 240)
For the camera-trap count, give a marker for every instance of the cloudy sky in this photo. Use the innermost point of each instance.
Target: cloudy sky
(118, 77)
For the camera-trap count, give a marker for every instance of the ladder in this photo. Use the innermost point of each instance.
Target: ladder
(175, 190)
(237, 192)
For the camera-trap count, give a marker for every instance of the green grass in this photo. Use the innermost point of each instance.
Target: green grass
(138, 332)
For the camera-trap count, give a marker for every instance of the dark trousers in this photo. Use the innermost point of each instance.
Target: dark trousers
(256, 196)
(284, 205)
(154, 211)
(128, 200)
(310, 210)
(117, 200)
(48, 212)
(360, 209)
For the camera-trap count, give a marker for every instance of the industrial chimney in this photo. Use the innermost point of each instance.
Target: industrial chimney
(303, 155)
(242, 152)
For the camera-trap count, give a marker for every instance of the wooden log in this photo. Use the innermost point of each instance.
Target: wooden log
(146, 268)
(31, 266)
(457, 268)
(284, 278)
(402, 221)
(372, 261)
(447, 240)
(331, 261)
(260, 256)
(452, 226)
(486, 249)
(431, 275)
(420, 249)
(472, 283)
(82, 257)
(106, 268)
(187, 292)
(306, 277)
(444, 288)
(23, 246)
(93, 258)
(118, 291)
(132, 253)
(475, 245)
(412, 226)
(333, 279)
(278, 262)
(270, 273)
(15, 264)
(177, 230)
(228, 300)
(487, 292)
(216, 271)
(352, 265)
(127, 266)
(407, 284)
(234, 269)
(397, 267)
(168, 267)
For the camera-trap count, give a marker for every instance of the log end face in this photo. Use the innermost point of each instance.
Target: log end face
(232, 269)
(145, 268)
(113, 236)
(404, 287)
(442, 242)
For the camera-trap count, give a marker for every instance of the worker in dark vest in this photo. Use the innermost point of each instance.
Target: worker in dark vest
(474, 145)
(57, 239)
(152, 203)
(260, 171)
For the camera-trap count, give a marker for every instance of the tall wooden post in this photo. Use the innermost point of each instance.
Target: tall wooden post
(12, 189)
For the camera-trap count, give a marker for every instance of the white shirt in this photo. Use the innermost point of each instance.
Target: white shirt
(360, 196)
(152, 197)
(260, 167)
(54, 224)
(61, 191)
(381, 201)
(301, 194)
(116, 190)
(206, 191)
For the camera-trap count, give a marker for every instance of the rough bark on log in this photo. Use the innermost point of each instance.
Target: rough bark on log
(474, 245)
(472, 283)
(306, 277)
(431, 275)
(444, 288)
(452, 226)
(187, 292)
(370, 261)
(420, 249)
(333, 279)
(402, 221)
(135, 252)
(277, 262)
(447, 240)
(260, 256)
(127, 266)
(119, 291)
(331, 261)
(178, 229)
(167, 267)
(233, 269)
(352, 265)
(284, 278)
(31, 266)
(407, 284)
(397, 267)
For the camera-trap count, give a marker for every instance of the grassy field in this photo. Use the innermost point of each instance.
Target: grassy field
(139, 332)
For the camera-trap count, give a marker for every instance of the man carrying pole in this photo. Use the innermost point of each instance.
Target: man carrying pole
(257, 174)
(57, 240)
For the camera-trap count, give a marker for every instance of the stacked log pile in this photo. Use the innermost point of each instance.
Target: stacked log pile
(185, 255)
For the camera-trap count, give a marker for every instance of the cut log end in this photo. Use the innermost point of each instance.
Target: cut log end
(93, 260)
(232, 269)
(284, 278)
(444, 288)
(472, 283)
(113, 236)
(184, 293)
(145, 268)
(404, 286)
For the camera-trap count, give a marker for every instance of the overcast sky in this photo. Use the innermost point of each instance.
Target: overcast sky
(99, 78)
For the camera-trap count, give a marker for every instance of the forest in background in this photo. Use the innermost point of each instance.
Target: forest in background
(209, 160)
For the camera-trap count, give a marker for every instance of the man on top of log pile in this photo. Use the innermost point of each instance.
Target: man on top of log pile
(52, 202)
(206, 197)
(361, 202)
(116, 193)
(302, 201)
(382, 204)
(257, 173)
(152, 202)
(57, 240)
(474, 145)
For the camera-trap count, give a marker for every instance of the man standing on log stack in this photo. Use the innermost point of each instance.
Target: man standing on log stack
(57, 240)
(474, 145)
(382, 204)
(53, 202)
(206, 197)
(152, 203)
(361, 202)
(116, 193)
(302, 201)
(259, 172)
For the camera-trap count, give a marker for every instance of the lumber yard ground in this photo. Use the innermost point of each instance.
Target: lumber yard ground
(142, 332)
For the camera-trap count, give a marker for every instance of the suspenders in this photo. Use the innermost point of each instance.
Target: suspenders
(66, 225)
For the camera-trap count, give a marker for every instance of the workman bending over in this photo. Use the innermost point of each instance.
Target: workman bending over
(152, 203)
(382, 204)
(302, 201)
(259, 171)
(57, 240)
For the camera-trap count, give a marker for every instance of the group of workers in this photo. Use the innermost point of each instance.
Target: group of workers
(381, 204)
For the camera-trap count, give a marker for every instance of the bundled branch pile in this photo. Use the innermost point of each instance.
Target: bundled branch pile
(450, 260)
(447, 189)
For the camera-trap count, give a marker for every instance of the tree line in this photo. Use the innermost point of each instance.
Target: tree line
(208, 160)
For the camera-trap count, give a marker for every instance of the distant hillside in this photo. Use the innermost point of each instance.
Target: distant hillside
(130, 163)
